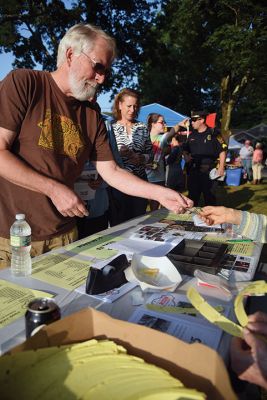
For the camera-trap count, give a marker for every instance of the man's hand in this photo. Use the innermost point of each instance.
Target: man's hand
(249, 359)
(173, 201)
(134, 186)
(67, 202)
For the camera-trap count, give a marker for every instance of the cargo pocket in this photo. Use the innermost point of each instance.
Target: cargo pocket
(5, 256)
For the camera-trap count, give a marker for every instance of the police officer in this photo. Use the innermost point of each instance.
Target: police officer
(203, 151)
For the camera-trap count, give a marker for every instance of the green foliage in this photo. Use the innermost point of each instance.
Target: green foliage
(195, 46)
(31, 30)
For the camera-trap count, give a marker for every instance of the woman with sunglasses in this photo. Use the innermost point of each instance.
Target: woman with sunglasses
(160, 140)
(135, 149)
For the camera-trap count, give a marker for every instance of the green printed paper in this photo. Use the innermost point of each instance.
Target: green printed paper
(95, 246)
(14, 300)
(61, 270)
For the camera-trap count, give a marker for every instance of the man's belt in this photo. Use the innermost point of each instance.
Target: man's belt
(199, 163)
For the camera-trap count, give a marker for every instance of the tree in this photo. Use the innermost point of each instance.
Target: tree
(32, 29)
(207, 54)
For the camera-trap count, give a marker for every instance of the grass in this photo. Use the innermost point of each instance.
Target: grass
(246, 197)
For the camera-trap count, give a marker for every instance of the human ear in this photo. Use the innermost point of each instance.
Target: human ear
(69, 55)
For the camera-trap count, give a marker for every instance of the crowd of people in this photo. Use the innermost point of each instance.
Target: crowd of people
(51, 129)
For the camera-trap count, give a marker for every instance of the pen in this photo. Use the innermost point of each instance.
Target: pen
(239, 241)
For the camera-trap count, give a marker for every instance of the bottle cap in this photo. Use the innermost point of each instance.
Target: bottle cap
(20, 216)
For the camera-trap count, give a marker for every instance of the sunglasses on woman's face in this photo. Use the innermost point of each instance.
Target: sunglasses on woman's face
(194, 119)
(162, 122)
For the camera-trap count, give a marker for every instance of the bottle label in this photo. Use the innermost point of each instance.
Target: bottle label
(20, 241)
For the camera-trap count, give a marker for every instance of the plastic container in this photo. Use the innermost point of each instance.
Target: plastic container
(233, 176)
(20, 241)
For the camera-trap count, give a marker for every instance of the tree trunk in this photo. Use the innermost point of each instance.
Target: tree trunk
(229, 97)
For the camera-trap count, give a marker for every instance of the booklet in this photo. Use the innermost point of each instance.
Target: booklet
(164, 233)
(172, 313)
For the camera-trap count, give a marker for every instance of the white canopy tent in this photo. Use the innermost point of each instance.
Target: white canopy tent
(234, 144)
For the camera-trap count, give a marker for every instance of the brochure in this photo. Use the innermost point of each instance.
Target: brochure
(164, 233)
(172, 313)
(188, 331)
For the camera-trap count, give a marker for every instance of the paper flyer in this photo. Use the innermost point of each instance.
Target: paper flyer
(189, 331)
(164, 233)
(61, 270)
(145, 247)
(242, 249)
(189, 226)
(14, 300)
(237, 247)
(174, 303)
(94, 246)
(234, 264)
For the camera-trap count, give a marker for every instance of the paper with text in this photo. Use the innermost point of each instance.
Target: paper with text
(61, 270)
(14, 300)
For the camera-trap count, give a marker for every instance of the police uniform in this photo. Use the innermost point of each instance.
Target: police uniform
(204, 148)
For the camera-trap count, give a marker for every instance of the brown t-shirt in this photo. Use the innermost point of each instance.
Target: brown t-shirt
(56, 134)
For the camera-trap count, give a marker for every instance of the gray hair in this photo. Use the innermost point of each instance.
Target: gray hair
(82, 37)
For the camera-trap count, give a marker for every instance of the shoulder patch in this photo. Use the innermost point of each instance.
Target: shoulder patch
(220, 139)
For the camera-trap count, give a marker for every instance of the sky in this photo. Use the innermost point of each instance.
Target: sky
(6, 60)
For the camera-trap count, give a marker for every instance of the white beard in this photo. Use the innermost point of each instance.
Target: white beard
(82, 89)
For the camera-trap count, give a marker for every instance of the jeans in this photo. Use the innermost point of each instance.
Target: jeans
(247, 166)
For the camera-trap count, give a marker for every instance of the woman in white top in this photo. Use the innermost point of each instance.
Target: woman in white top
(135, 149)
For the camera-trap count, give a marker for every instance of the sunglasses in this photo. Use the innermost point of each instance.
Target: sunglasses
(194, 119)
(161, 122)
(97, 66)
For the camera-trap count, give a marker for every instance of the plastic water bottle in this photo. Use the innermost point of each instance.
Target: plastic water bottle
(20, 241)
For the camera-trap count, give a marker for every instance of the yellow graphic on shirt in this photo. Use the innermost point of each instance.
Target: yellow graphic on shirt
(61, 134)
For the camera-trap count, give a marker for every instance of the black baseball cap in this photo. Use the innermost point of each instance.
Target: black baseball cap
(199, 114)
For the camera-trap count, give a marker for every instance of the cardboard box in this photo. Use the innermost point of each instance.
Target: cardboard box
(196, 365)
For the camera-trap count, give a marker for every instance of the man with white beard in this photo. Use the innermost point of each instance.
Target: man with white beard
(47, 132)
